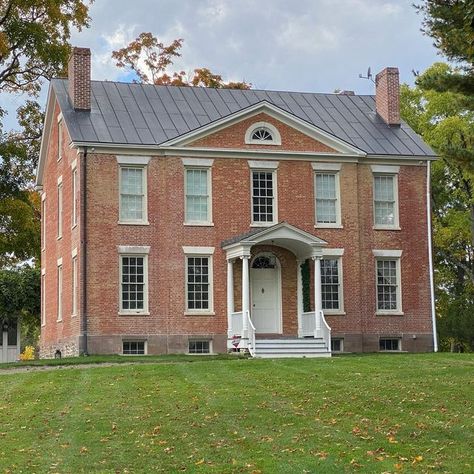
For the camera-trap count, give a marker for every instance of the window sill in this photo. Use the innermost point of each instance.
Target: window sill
(198, 224)
(199, 313)
(380, 227)
(262, 224)
(335, 313)
(389, 313)
(59, 237)
(136, 313)
(328, 226)
(132, 223)
(74, 226)
(59, 320)
(73, 315)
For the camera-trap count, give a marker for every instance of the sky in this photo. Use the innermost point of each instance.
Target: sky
(298, 45)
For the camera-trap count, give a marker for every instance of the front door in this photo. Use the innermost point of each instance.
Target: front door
(265, 293)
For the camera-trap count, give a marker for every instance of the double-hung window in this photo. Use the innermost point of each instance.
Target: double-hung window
(59, 290)
(74, 282)
(388, 284)
(331, 281)
(60, 137)
(133, 279)
(74, 194)
(133, 189)
(327, 195)
(60, 207)
(385, 197)
(199, 280)
(264, 192)
(198, 191)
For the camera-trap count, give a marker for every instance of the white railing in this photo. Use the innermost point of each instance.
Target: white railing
(250, 335)
(325, 331)
(308, 324)
(236, 325)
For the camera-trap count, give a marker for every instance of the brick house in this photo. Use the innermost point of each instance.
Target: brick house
(179, 219)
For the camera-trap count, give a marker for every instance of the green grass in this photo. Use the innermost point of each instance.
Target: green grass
(377, 413)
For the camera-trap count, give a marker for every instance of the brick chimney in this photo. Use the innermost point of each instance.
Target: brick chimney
(79, 74)
(387, 95)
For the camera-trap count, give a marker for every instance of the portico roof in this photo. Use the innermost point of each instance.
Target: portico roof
(301, 243)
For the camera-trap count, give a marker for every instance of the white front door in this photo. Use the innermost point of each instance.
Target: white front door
(265, 287)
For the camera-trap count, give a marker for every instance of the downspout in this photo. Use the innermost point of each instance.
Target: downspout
(83, 189)
(430, 254)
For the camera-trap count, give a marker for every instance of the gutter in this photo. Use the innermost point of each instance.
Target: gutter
(84, 350)
(430, 255)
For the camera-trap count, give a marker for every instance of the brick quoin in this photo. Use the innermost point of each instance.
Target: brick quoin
(167, 328)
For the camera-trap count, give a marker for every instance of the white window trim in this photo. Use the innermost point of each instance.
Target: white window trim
(135, 312)
(60, 204)
(144, 220)
(318, 166)
(204, 165)
(399, 339)
(329, 170)
(275, 196)
(43, 297)
(74, 282)
(59, 290)
(129, 160)
(389, 255)
(336, 254)
(341, 339)
(381, 170)
(74, 176)
(207, 252)
(262, 165)
(273, 130)
(133, 249)
(60, 137)
(43, 221)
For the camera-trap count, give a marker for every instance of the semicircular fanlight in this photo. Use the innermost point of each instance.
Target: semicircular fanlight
(262, 134)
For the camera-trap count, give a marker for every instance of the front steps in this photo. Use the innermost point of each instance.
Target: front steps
(291, 347)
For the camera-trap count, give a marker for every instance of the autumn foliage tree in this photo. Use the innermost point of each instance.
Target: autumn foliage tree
(150, 59)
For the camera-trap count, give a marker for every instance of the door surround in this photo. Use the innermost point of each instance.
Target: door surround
(278, 288)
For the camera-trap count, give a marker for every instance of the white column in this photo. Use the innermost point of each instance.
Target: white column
(230, 296)
(317, 294)
(299, 296)
(245, 294)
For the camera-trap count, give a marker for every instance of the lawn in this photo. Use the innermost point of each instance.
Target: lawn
(375, 413)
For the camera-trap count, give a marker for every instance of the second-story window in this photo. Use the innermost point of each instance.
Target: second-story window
(74, 196)
(60, 207)
(133, 194)
(198, 197)
(60, 138)
(385, 193)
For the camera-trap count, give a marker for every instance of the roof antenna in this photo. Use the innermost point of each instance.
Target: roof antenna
(369, 76)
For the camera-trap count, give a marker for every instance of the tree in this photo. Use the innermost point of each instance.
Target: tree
(149, 59)
(34, 37)
(447, 124)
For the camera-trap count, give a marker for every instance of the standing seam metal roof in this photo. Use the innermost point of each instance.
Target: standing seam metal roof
(143, 114)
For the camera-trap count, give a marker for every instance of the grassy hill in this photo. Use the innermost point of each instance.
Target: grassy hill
(374, 413)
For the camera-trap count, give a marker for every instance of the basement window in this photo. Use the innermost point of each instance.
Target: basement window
(337, 345)
(133, 348)
(199, 347)
(389, 344)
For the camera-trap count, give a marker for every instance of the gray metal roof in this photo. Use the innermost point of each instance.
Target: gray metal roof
(142, 114)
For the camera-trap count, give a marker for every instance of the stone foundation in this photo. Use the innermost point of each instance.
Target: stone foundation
(69, 348)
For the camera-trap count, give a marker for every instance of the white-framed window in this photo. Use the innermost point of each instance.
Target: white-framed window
(327, 194)
(133, 195)
(390, 344)
(60, 137)
(332, 281)
(337, 344)
(133, 280)
(74, 282)
(199, 280)
(198, 191)
(388, 281)
(74, 195)
(60, 290)
(385, 193)
(262, 133)
(43, 221)
(264, 200)
(60, 207)
(43, 297)
(135, 347)
(199, 346)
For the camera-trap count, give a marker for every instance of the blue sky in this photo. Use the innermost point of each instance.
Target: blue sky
(301, 45)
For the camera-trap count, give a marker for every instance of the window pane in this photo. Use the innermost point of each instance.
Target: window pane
(262, 196)
(326, 198)
(133, 283)
(131, 194)
(330, 283)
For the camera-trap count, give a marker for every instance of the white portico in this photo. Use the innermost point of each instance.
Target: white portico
(261, 292)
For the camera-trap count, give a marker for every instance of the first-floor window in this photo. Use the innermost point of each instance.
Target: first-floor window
(133, 347)
(389, 344)
(60, 293)
(198, 283)
(388, 290)
(330, 284)
(133, 294)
